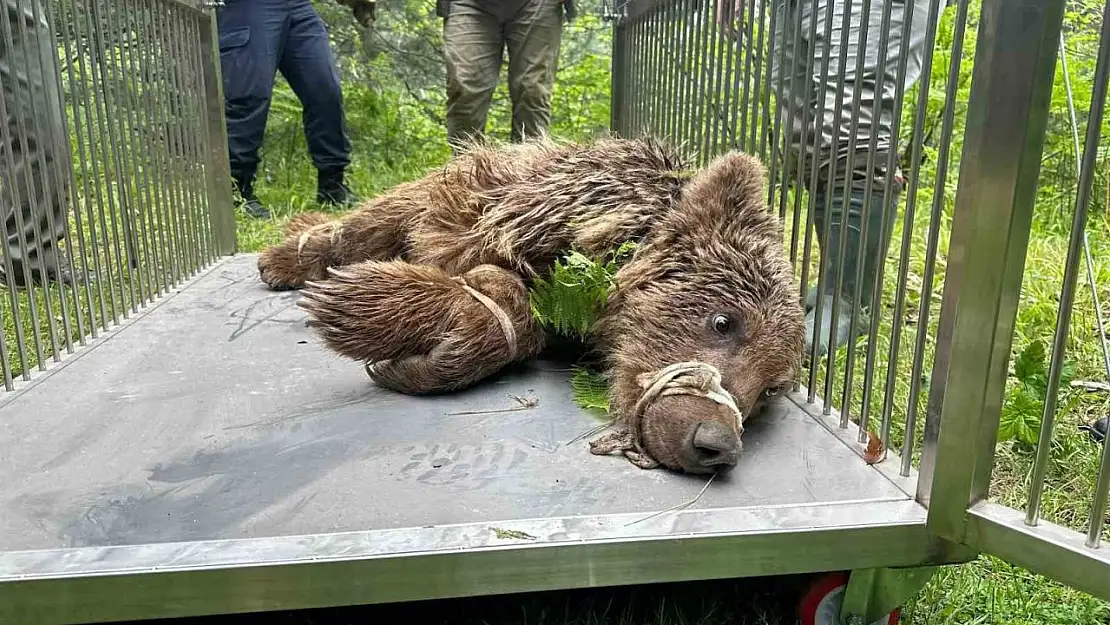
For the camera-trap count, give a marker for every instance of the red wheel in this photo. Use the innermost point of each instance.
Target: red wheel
(821, 604)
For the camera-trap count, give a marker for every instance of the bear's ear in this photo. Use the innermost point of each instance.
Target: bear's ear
(729, 193)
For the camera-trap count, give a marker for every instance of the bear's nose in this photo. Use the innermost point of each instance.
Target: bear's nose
(715, 446)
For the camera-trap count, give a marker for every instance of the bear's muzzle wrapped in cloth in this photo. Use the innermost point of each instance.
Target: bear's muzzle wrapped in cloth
(697, 379)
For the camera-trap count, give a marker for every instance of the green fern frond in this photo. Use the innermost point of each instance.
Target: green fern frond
(571, 298)
(590, 389)
(569, 302)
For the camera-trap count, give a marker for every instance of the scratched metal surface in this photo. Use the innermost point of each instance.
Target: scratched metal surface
(218, 416)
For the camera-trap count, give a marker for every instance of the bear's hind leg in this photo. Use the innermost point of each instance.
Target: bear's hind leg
(450, 366)
(448, 332)
(377, 230)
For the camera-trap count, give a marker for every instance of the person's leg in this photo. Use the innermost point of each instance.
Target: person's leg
(472, 46)
(32, 179)
(308, 64)
(881, 204)
(251, 34)
(533, 36)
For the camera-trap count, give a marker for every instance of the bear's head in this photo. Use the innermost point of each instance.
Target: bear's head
(711, 284)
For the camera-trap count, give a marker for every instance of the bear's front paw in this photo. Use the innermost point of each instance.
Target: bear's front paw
(280, 269)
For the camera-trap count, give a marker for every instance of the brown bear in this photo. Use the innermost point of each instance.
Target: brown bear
(428, 284)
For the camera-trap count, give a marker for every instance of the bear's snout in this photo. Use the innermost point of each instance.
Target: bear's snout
(712, 447)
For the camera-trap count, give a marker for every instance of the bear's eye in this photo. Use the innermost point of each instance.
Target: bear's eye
(722, 324)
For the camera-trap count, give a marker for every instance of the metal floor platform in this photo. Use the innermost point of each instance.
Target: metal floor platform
(211, 456)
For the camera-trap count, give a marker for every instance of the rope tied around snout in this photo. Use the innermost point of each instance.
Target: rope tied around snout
(694, 378)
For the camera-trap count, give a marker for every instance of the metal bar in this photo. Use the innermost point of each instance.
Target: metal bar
(749, 59)
(113, 82)
(189, 131)
(1007, 116)
(764, 89)
(197, 136)
(82, 104)
(181, 106)
(54, 183)
(68, 174)
(776, 128)
(117, 202)
(40, 204)
(11, 196)
(1102, 484)
(940, 182)
(723, 44)
(830, 189)
(98, 139)
(1098, 504)
(635, 51)
(179, 156)
(718, 46)
(143, 178)
(868, 206)
(1071, 269)
(798, 174)
(229, 576)
(164, 118)
(733, 110)
(28, 186)
(617, 64)
(907, 230)
(682, 110)
(1049, 549)
(718, 58)
(815, 169)
(158, 188)
(849, 166)
(669, 63)
(699, 116)
(651, 48)
(133, 196)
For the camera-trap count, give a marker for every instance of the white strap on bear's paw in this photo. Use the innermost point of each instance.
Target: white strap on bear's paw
(498, 313)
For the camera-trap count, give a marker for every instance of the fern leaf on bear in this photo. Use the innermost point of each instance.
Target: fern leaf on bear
(569, 301)
(571, 298)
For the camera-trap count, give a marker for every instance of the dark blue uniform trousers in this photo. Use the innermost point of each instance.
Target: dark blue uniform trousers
(259, 38)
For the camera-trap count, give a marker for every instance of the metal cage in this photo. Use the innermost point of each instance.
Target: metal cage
(167, 458)
(767, 77)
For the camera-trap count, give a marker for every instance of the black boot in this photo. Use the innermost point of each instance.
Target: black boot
(854, 296)
(251, 204)
(332, 191)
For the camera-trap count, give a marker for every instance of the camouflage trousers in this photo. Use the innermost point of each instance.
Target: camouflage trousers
(803, 93)
(476, 34)
(34, 160)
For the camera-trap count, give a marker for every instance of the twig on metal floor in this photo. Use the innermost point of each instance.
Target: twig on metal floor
(525, 404)
(591, 431)
(685, 504)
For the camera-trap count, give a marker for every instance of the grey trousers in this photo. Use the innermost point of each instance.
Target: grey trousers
(476, 34)
(33, 173)
(809, 93)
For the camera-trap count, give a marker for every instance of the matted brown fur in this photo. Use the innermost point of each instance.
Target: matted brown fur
(708, 282)
(423, 332)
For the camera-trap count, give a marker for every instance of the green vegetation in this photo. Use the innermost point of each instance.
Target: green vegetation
(571, 298)
(393, 81)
